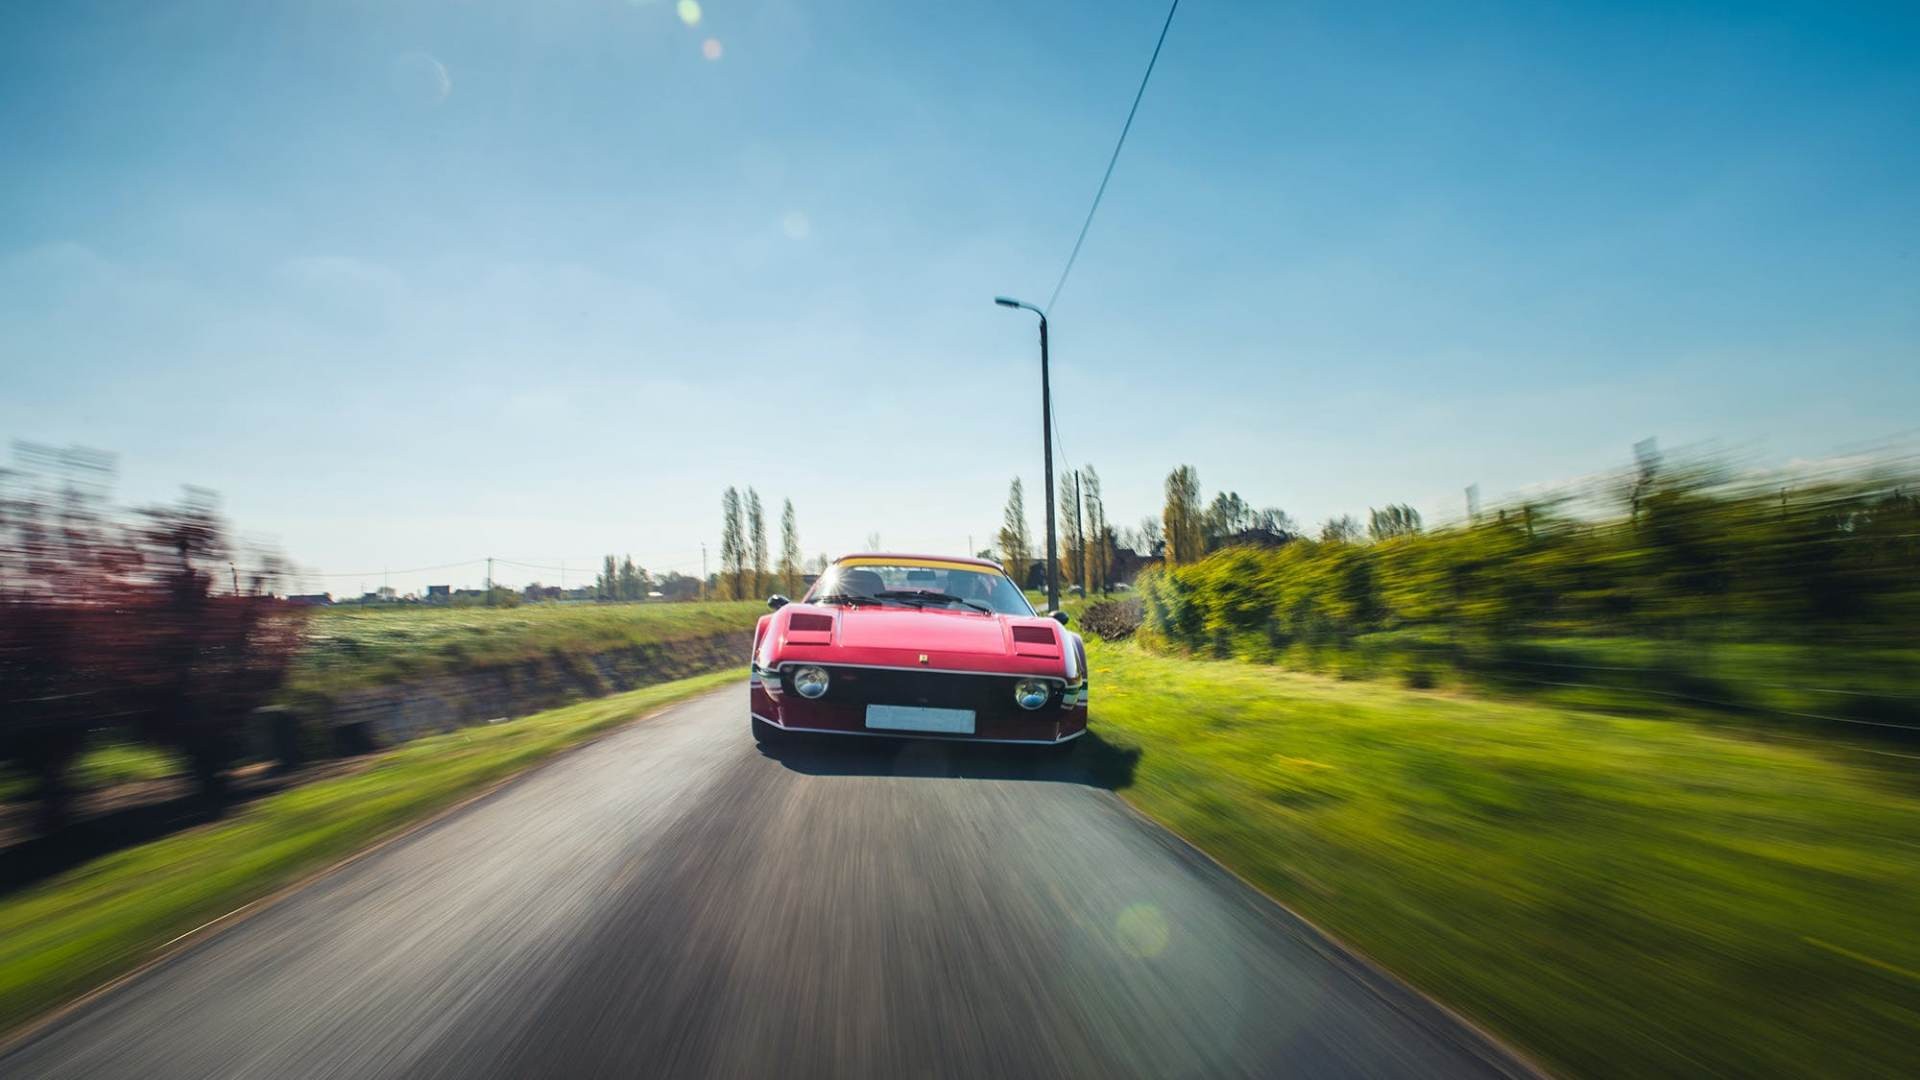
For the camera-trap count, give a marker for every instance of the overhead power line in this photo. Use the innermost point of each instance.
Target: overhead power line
(1112, 161)
(383, 570)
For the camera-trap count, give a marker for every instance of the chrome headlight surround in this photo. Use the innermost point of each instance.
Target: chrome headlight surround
(810, 681)
(1031, 694)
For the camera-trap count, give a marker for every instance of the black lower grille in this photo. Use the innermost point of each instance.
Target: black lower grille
(939, 689)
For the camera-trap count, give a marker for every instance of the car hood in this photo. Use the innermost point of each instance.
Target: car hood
(939, 631)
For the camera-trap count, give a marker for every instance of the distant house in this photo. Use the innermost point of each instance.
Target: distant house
(320, 599)
(1267, 538)
(1127, 564)
(542, 592)
(439, 594)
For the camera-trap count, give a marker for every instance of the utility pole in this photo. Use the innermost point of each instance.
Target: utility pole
(703, 570)
(236, 578)
(489, 581)
(1046, 441)
(1046, 432)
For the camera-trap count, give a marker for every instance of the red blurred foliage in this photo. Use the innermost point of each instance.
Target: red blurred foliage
(111, 619)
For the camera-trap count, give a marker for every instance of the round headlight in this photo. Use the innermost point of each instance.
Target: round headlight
(1031, 693)
(810, 682)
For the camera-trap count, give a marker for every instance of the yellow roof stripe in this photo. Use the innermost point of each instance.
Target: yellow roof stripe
(936, 564)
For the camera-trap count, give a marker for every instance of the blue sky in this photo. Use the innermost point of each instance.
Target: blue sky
(417, 282)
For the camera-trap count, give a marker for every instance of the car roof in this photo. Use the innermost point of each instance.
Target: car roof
(961, 559)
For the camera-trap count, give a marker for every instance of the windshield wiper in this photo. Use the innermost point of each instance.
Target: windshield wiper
(925, 595)
(848, 598)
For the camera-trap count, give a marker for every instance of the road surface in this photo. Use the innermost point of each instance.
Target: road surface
(672, 901)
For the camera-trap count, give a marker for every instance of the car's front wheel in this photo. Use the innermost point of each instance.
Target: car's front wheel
(764, 733)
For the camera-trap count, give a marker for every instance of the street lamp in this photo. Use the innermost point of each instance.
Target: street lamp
(1046, 438)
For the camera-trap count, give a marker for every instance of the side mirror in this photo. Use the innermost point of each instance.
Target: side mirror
(1059, 617)
(776, 602)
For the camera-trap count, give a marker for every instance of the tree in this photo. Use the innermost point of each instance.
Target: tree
(674, 585)
(790, 580)
(757, 529)
(607, 585)
(1228, 516)
(633, 581)
(1395, 520)
(1276, 522)
(1341, 530)
(733, 547)
(1072, 531)
(203, 662)
(1150, 539)
(1100, 548)
(1182, 519)
(1016, 543)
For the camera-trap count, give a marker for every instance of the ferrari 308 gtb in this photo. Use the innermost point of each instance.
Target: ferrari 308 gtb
(921, 647)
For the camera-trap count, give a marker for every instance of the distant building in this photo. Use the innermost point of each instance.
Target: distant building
(542, 592)
(439, 594)
(1127, 564)
(311, 599)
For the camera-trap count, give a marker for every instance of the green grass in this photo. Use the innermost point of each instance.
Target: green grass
(107, 762)
(1816, 687)
(351, 647)
(69, 934)
(1622, 896)
(366, 646)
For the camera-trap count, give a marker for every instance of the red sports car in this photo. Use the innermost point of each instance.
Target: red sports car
(917, 646)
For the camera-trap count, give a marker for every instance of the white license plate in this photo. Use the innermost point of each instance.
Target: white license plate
(913, 718)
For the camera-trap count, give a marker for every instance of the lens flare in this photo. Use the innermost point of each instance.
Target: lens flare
(710, 48)
(1142, 930)
(689, 11)
(795, 225)
(421, 79)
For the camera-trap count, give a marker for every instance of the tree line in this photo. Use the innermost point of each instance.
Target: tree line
(746, 568)
(1088, 543)
(624, 580)
(1692, 553)
(152, 621)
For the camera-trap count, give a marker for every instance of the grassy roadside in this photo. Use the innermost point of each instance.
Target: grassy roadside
(355, 647)
(61, 938)
(1622, 897)
(105, 763)
(365, 646)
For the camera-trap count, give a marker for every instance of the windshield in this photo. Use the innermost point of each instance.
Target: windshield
(930, 585)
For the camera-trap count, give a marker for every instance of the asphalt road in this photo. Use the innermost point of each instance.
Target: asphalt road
(672, 901)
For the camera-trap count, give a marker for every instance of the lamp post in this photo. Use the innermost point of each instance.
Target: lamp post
(1046, 439)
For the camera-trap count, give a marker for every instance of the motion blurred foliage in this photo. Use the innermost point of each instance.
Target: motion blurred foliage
(137, 620)
(1689, 554)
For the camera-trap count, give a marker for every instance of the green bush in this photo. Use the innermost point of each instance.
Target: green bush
(1691, 558)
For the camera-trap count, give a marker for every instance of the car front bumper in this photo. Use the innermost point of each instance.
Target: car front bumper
(843, 710)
